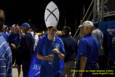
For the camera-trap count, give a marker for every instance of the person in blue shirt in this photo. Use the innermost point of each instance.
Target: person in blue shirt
(51, 54)
(50, 47)
(5, 52)
(88, 50)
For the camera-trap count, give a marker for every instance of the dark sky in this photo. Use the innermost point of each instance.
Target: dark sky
(18, 11)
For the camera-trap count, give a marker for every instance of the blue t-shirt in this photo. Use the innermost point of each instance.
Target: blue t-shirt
(45, 47)
(88, 47)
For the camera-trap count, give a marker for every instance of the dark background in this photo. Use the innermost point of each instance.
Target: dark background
(32, 11)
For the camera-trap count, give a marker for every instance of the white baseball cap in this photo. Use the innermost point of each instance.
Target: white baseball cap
(88, 23)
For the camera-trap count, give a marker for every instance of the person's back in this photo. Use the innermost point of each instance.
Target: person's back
(70, 47)
(5, 58)
(14, 42)
(27, 44)
(26, 48)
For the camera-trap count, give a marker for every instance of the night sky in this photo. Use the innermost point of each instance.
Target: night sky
(18, 11)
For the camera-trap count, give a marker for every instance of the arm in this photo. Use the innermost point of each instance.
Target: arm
(82, 56)
(60, 55)
(83, 61)
(44, 58)
(59, 50)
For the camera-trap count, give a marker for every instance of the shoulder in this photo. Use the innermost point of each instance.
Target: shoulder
(2, 39)
(83, 39)
(58, 39)
(42, 39)
(73, 39)
(28, 35)
(98, 31)
(4, 43)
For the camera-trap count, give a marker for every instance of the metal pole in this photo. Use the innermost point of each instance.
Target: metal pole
(102, 10)
(98, 10)
(94, 9)
(88, 10)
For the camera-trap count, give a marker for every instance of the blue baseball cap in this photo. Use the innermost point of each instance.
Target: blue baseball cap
(25, 25)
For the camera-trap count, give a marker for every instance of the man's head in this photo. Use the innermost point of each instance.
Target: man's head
(17, 28)
(87, 27)
(25, 27)
(66, 30)
(2, 18)
(52, 31)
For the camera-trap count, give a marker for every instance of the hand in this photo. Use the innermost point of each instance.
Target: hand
(13, 45)
(49, 57)
(56, 50)
(60, 55)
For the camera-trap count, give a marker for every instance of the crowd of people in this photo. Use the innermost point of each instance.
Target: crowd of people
(52, 53)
